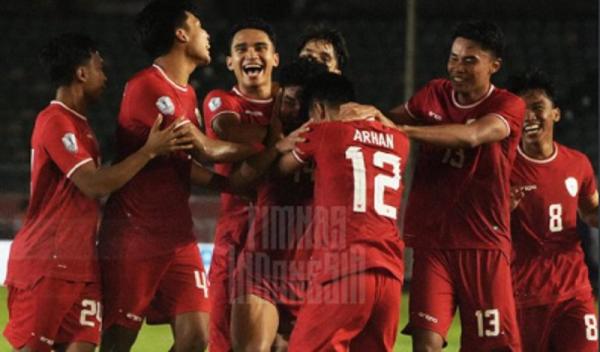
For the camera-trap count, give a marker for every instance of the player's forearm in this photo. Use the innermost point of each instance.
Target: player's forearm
(287, 164)
(590, 217)
(450, 135)
(228, 152)
(246, 133)
(252, 170)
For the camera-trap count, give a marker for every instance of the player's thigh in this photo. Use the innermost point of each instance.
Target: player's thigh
(82, 324)
(432, 294)
(335, 312)
(535, 325)
(487, 306)
(379, 334)
(183, 288)
(254, 322)
(578, 321)
(129, 284)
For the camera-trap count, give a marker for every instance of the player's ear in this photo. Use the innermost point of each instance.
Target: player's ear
(496, 65)
(181, 35)
(81, 74)
(275, 59)
(229, 62)
(556, 114)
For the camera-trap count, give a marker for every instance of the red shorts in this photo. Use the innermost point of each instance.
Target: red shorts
(479, 283)
(157, 288)
(53, 312)
(569, 325)
(358, 312)
(287, 296)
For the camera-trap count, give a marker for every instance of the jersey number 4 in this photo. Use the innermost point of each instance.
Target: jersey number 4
(381, 182)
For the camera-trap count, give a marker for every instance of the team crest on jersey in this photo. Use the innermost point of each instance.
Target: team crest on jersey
(70, 142)
(165, 105)
(214, 103)
(572, 186)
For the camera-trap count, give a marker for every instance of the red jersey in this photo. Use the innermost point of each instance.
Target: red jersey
(233, 212)
(548, 263)
(460, 198)
(277, 244)
(152, 208)
(358, 188)
(58, 238)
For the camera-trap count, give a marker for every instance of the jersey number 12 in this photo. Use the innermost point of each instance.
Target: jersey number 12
(381, 182)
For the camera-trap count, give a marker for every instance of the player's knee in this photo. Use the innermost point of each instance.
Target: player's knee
(257, 345)
(117, 338)
(191, 340)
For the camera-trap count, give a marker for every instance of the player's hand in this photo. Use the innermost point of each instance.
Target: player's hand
(168, 140)
(517, 193)
(288, 143)
(189, 132)
(357, 112)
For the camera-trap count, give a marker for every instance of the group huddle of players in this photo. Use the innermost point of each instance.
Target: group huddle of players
(307, 253)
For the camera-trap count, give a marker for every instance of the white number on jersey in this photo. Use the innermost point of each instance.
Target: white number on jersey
(492, 316)
(90, 308)
(591, 327)
(201, 281)
(555, 211)
(381, 182)
(454, 158)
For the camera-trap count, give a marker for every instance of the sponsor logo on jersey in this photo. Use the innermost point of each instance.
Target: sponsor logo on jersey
(46, 340)
(253, 113)
(572, 186)
(70, 142)
(214, 103)
(435, 116)
(428, 317)
(165, 105)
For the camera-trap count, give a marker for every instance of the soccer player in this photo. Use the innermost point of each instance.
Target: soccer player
(353, 299)
(239, 115)
(150, 261)
(457, 218)
(551, 185)
(270, 277)
(54, 297)
(325, 45)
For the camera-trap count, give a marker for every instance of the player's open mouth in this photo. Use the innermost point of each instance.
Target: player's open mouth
(253, 70)
(457, 79)
(532, 128)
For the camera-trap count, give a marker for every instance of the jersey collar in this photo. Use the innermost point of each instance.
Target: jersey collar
(258, 101)
(175, 85)
(539, 161)
(60, 103)
(456, 103)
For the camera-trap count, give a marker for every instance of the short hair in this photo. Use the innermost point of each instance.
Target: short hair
(299, 72)
(329, 88)
(64, 53)
(488, 34)
(253, 23)
(532, 79)
(327, 34)
(157, 22)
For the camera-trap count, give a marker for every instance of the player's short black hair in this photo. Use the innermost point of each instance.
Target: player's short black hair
(324, 33)
(156, 24)
(299, 72)
(64, 53)
(254, 23)
(488, 34)
(531, 79)
(328, 88)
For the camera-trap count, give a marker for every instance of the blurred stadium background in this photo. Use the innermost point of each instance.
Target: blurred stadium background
(560, 36)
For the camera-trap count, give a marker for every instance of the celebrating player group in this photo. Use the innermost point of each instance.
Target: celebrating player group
(308, 255)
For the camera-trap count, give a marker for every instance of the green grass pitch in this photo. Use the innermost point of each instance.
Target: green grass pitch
(158, 338)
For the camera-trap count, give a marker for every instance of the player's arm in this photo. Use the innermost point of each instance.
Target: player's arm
(96, 182)
(229, 128)
(401, 116)
(588, 209)
(488, 129)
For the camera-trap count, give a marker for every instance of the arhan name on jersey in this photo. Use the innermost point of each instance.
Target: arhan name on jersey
(379, 139)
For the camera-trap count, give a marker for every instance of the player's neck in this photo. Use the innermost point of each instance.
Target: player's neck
(73, 98)
(257, 92)
(467, 98)
(540, 150)
(177, 68)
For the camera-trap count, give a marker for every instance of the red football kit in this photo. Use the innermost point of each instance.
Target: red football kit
(354, 297)
(233, 222)
(457, 220)
(53, 276)
(147, 245)
(552, 290)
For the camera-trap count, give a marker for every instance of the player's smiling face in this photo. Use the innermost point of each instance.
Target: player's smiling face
(198, 46)
(252, 57)
(321, 51)
(470, 67)
(540, 116)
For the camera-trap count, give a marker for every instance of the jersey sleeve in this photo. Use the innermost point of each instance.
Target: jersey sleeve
(418, 104)
(511, 111)
(305, 151)
(215, 103)
(588, 181)
(61, 140)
